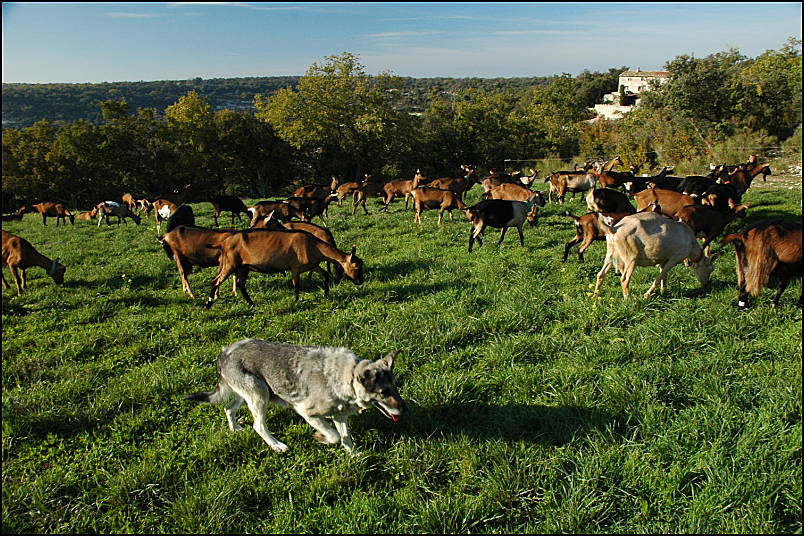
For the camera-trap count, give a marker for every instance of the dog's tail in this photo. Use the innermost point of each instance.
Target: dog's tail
(216, 396)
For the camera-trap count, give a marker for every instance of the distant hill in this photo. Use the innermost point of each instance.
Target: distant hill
(25, 104)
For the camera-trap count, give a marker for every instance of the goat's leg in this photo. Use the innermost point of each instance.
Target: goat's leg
(625, 278)
(185, 268)
(474, 234)
(325, 275)
(521, 236)
(607, 264)
(502, 235)
(216, 283)
(241, 275)
(15, 273)
(295, 280)
(660, 279)
(782, 285)
(5, 283)
(569, 245)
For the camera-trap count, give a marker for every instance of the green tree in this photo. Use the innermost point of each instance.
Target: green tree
(341, 119)
(771, 96)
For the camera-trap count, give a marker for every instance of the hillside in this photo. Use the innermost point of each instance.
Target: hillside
(25, 104)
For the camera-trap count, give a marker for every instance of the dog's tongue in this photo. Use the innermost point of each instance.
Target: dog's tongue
(395, 418)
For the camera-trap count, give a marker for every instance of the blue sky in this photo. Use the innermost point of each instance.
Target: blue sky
(108, 42)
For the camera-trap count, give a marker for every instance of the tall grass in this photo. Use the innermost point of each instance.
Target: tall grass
(534, 406)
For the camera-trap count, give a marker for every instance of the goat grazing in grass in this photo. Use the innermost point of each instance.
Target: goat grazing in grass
(54, 210)
(322, 233)
(651, 239)
(501, 214)
(112, 208)
(270, 252)
(770, 248)
(228, 203)
(19, 255)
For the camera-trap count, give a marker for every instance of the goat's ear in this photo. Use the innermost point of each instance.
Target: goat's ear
(388, 360)
(269, 216)
(354, 250)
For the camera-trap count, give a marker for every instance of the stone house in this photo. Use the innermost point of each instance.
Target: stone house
(632, 83)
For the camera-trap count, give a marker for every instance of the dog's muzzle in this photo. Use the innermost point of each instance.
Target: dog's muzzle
(391, 413)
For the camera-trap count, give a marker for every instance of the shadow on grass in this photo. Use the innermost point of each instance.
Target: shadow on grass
(387, 272)
(514, 422)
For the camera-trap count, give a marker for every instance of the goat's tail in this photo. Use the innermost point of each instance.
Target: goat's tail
(571, 215)
(217, 396)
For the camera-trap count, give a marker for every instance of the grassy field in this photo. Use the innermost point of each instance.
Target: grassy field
(534, 405)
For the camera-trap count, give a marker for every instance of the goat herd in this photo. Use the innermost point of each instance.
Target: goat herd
(662, 230)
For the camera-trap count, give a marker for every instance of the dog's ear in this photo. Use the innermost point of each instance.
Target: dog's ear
(389, 359)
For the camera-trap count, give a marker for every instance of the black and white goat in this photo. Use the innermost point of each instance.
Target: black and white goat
(501, 214)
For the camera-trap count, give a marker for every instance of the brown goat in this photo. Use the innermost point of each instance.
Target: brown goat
(19, 255)
(709, 222)
(316, 191)
(54, 210)
(366, 190)
(669, 200)
(88, 215)
(163, 209)
(770, 248)
(459, 185)
(281, 210)
(266, 251)
(193, 246)
(322, 233)
(589, 229)
(129, 201)
(742, 177)
(400, 188)
(425, 197)
(349, 188)
(608, 200)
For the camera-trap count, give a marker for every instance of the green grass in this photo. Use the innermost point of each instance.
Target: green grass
(534, 406)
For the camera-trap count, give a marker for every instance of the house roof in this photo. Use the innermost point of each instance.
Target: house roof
(646, 74)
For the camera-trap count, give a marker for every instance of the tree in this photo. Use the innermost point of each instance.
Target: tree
(339, 117)
(771, 91)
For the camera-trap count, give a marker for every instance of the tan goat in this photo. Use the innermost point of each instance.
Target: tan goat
(19, 255)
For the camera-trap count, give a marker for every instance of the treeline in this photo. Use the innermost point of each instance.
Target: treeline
(337, 120)
(25, 104)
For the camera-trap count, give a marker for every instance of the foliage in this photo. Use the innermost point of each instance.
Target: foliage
(339, 116)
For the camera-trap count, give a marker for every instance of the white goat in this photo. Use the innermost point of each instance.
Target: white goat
(650, 239)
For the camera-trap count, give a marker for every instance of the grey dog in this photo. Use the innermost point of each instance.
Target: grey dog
(318, 382)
